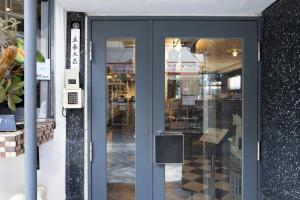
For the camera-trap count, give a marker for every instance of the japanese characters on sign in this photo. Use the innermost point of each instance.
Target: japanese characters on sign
(75, 46)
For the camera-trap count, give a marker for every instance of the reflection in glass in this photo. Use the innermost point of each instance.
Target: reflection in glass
(203, 101)
(120, 80)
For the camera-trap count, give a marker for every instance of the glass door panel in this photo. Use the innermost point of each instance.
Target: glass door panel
(205, 88)
(120, 139)
(203, 101)
(121, 160)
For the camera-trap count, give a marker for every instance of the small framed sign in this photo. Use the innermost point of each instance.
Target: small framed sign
(188, 100)
(43, 70)
(7, 123)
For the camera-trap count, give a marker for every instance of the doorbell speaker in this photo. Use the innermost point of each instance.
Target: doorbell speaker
(72, 79)
(73, 98)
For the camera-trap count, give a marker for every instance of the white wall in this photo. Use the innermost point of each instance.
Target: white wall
(168, 7)
(11, 176)
(52, 154)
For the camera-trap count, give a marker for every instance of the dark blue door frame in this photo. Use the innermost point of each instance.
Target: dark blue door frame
(101, 31)
(156, 29)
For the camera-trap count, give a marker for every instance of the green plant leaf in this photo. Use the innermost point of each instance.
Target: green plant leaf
(19, 59)
(20, 53)
(20, 43)
(39, 57)
(11, 106)
(15, 86)
(15, 99)
(15, 79)
(7, 84)
(18, 92)
(2, 94)
(10, 103)
(2, 81)
(11, 90)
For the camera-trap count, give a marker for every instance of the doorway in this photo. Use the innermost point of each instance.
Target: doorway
(191, 77)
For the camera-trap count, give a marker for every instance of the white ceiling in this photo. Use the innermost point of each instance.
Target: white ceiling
(168, 7)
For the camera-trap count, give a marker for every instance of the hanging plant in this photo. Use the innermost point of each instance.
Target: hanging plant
(12, 63)
(8, 32)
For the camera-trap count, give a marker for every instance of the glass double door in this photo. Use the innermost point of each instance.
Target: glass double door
(197, 79)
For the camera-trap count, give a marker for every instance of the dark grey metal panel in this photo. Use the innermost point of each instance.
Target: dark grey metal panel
(214, 27)
(174, 18)
(158, 123)
(250, 114)
(246, 30)
(98, 121)
(89, 104)
(259, 29)
(101, 30)
(150, 103)
(169, 149)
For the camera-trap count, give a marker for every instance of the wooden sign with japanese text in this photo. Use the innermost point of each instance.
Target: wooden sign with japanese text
(75, 46)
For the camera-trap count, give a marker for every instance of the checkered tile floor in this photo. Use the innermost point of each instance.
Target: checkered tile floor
(196, 181)
(190, 181)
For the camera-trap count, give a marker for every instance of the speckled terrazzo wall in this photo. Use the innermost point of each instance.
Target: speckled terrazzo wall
(280, 112)
(75, 123)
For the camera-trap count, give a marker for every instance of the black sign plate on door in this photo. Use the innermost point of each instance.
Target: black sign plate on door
(169, 149)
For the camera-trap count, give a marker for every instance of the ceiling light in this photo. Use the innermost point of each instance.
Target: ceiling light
(235, 53)
(8, 5)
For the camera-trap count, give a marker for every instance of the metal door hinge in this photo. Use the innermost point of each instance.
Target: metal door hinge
(91, 151)
(91, 50)
(258, 51)
(258, 150)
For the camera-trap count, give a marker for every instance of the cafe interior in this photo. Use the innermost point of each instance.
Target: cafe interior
(203, 102)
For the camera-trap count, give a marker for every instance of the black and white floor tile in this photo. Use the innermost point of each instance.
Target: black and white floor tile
(190, 181)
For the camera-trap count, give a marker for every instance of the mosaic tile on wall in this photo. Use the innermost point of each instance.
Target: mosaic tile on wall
(12, 143)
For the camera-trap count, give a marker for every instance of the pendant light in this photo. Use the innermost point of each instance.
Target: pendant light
(8, 5)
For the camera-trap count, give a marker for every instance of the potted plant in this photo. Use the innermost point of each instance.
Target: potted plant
(12, 64)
